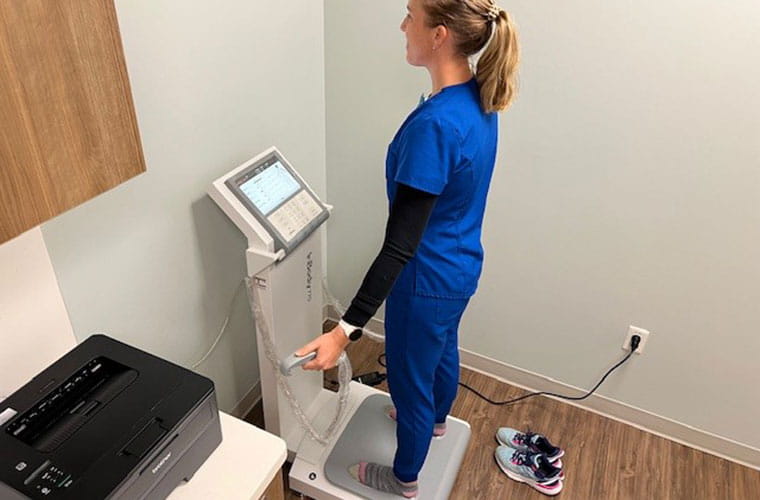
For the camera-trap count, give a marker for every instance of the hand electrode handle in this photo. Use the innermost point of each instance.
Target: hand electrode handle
(287, 364)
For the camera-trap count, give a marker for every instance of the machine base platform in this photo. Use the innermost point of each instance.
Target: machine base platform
(371, 436)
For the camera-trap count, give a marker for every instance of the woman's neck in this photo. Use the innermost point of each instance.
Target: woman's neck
(449, 72)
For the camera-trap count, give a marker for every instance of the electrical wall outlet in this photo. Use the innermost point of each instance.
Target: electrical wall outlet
(635, 330)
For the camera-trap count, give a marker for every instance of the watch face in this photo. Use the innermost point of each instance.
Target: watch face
(355, 335)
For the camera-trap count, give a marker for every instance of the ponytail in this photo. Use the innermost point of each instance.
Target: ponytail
(496, 71)
(477, 24)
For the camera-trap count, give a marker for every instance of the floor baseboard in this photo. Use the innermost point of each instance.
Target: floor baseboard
(641, 419)
(246, 404)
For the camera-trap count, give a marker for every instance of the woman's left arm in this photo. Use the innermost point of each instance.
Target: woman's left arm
(408, 218)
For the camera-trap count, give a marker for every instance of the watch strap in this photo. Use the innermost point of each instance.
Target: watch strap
(351, 331)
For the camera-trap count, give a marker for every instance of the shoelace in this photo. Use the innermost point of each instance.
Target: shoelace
(520, 457)
(524, 439)
(535, 442)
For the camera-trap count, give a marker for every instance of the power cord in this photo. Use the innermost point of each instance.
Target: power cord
(372, 379)
(222, 329)
(635, 341)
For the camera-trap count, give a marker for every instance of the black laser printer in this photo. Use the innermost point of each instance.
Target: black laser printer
(106, 421)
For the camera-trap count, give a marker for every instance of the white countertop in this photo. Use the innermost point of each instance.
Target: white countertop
(241, 468)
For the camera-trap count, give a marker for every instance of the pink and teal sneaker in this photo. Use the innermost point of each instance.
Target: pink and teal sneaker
(533, 469)
(530, 441)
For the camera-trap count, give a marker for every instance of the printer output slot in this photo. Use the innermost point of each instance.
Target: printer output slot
(56, 417)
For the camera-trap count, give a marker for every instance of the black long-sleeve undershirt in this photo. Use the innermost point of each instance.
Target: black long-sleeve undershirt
(408, 218)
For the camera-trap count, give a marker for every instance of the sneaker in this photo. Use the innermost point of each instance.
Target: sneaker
(526, 467)
(530, 441)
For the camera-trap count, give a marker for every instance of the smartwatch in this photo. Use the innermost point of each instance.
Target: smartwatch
(353, 333)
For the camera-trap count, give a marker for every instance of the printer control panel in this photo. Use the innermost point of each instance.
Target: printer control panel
(45, 479)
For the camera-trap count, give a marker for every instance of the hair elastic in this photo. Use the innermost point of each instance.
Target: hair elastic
(493, 12)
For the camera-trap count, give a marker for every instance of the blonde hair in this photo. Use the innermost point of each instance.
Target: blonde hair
(479, 24)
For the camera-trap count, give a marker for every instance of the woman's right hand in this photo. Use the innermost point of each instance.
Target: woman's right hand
(328, 347)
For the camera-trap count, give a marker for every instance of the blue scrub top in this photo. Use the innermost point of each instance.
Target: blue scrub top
(447, 147)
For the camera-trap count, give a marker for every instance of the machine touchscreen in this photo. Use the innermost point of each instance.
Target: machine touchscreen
(279, 200)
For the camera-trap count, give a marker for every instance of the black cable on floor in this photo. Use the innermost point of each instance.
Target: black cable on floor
(542, 393)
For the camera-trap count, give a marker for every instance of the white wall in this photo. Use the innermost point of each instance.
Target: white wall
(627, 192)
(34, 326)
(154, 263)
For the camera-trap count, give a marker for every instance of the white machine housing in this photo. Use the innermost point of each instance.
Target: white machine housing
(286, 264)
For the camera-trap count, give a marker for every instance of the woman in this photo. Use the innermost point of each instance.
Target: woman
(438, 171)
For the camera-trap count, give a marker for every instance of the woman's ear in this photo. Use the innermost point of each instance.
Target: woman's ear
(440, 36)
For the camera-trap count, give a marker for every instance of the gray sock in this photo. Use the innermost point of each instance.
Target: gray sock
(381, 478)
(439, 430)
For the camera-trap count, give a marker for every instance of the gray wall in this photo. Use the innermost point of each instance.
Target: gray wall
(154, 262)
(627, 192)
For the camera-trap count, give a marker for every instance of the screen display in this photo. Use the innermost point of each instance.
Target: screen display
(268, 189)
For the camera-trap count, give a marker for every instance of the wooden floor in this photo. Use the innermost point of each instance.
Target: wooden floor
(604, 459)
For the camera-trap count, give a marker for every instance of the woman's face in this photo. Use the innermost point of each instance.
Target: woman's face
(419, 37)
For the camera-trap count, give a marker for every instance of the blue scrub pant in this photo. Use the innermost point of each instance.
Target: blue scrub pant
(422, 357)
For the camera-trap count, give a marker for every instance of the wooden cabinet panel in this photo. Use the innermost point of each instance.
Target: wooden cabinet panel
(68, 130)
(276, 489)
